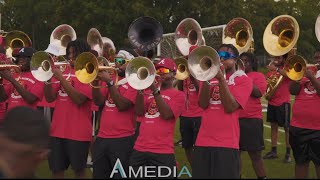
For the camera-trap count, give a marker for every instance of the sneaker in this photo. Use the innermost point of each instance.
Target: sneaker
(178, 143)
(287, 159)
(270, 155)
(89, 162)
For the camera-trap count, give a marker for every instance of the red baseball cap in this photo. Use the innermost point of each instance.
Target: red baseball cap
(167, 63)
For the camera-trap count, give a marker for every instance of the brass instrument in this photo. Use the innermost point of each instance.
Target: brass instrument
(145, 33)
(317, 28)
(188, 33)
(15, 39)
(41, 66)
(204, 63)
(182, 68)
(94, 39)
(62, 35)
(295, 67)
(238, 32)
(140, 73)
(87, 68)
(280, 37)
(108, 50)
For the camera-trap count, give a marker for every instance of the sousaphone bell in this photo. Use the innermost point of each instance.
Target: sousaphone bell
(62, 35)
(94, 39)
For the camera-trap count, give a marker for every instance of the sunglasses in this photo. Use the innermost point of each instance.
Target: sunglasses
(120, 60)
(163, 70)
(225, 55)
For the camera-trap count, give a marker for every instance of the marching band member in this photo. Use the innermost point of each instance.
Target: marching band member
(279, 108)
(22, 89)
(304, 129)
(190, 118)
(216, 149)
(250, 119)
(71, 127)
(115, 138)
(158, 113)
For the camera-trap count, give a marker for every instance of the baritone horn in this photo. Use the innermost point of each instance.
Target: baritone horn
(87, 68)
(182, 68)
(188, 33)
(140, 73)
(279, 38)
(238, 32)
(41, 66)
(204, 63)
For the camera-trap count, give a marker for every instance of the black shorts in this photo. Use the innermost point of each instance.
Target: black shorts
(251, 134)
(65, 152)
(215, 162)
(279, 114)
(305, 144)
(142, 159)
(189, 128)
(106, 151)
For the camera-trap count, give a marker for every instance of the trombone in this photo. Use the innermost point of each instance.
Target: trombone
(87, 68)
(41, 66)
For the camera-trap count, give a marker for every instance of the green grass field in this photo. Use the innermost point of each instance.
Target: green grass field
(274, 168)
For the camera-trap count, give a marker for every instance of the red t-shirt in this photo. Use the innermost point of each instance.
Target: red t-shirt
(192, 107)
(253, 108)
(44, 103)
(69, 120)
(282, 94)
(306, 106)
(156, 134)
(218, 128)
(30, 84)
(115, 123)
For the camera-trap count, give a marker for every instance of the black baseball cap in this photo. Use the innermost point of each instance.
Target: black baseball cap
(26, 52)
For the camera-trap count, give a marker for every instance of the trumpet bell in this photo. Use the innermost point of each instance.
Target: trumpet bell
(238, 32)
(140, 73)
(281, 35)
(317, 28)
(188, 33)
(86, 67)
(94, 39)
(295, 67)
(182, 68)
(145, 33)
(41, 66)
(204, 63)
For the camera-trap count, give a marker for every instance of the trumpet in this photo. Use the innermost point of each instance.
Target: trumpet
(87, 68)
(140, 73)
(41, 66)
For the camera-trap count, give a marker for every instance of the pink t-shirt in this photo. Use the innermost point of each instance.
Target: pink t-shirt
(156, 134)
(115, 123)
(218, 128)
(69, 120)
(253, 108)
(282, 94)
(30, 84)
(306, 106)
(192, 106)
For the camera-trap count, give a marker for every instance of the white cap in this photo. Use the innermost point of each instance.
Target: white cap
(125, 54)
(55, 49)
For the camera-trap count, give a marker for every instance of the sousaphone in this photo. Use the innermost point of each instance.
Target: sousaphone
(62, 35)
(94, 39)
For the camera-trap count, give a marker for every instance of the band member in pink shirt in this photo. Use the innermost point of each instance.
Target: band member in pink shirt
(71, 127)
(158, 112)
(304, 129)
(216, 154)
(190, 118)
(115, 138)
(250, 119)
(21, 89)
(279, 108)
